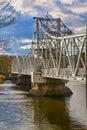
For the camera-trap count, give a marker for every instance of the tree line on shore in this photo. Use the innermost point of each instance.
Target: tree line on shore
(5, 65)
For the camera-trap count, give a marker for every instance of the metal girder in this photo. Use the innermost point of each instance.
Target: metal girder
(62, 57)
(57, 58)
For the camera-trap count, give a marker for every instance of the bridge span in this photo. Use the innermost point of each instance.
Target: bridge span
(56, 54)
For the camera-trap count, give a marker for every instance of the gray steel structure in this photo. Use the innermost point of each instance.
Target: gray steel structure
(56, 52)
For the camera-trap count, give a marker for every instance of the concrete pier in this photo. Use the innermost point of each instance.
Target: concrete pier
(24, 80)
(21, 79)
(48, 86)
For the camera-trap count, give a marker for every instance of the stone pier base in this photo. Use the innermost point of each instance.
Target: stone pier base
(20, 79)
(48, 87)
(50, 90)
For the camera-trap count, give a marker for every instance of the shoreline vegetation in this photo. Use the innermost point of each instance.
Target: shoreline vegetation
(5, 66)
(2, 78)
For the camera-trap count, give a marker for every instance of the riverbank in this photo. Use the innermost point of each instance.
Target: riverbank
(2, 78)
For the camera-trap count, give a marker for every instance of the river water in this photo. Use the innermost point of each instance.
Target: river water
(18, 111)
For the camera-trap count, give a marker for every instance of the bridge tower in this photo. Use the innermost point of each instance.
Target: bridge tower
(43, 43)
(43, 50)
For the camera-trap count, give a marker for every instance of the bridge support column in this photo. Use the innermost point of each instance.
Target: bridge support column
(24, 80)
(19, 79)
(48, 86)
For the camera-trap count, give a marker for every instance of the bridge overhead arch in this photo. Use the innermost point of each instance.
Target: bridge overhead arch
(56, 52)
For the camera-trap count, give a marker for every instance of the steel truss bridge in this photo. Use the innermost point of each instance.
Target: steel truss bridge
(56, 52)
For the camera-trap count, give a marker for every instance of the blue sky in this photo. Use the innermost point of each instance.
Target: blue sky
(72, 12)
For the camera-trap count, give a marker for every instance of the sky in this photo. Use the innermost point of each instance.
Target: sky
(72, 12)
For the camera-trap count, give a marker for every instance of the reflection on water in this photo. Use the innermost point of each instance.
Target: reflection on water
(77, 103)
(18, 111)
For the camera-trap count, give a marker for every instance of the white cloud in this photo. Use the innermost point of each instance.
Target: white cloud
(26, 7)
(25, 47)
(18, 5)
(26, 40)
(80, 29)
(68, 1)
(69, 11)
(79, 10)
(1, 49)
(36, 7)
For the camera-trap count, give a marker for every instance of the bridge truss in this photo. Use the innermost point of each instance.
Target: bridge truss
(56, 51)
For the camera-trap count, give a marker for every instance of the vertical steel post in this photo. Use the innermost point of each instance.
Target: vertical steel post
(86, 66)
(37, 37)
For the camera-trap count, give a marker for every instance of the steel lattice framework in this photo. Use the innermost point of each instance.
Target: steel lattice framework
(55, 52)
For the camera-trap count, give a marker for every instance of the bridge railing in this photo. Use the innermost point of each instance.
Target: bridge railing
(63, 73)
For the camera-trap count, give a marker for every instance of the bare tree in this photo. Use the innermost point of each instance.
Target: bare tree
(8, 16)
(7, 13)
(5, 44)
